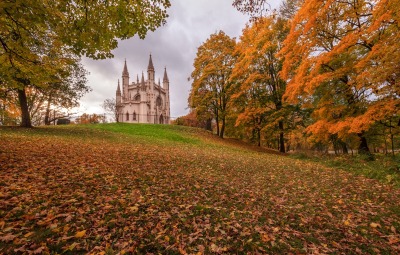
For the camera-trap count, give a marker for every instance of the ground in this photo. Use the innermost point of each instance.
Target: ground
(161, 189)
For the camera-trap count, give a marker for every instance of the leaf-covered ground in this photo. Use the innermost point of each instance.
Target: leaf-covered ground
(156, 189)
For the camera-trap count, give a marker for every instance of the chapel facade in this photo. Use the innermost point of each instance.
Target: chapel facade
(143, 101)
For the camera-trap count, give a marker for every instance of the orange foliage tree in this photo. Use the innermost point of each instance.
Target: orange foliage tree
(258, 97)
(342, 59)
(211, 87)
(90, 119)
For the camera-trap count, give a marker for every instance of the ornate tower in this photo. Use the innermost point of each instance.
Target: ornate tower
(166, 87)
(151, 97)
(118, 94)
(118, 102)
(125, 82)
(150, 70)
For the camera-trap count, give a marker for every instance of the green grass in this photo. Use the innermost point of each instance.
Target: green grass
(384, 168)
(151, 133)
(140, 189)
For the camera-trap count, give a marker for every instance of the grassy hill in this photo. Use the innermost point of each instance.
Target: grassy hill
(122, 189)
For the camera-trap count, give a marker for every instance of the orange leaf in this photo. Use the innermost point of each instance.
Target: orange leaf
(80, 234)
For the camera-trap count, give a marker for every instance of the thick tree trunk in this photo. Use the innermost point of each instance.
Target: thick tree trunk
(208, 124)
(221, 134)
(344, 148)
(281, 138)
(23, 102)
(363, 147)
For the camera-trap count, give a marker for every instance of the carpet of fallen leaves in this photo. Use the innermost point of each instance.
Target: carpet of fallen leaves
(80, 191)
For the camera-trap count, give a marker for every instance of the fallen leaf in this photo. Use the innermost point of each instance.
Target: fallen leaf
(393, 240)
(374, 225)
(80, 234)
(7, 238)
(39, 250)
(134, 208)
(28, 234)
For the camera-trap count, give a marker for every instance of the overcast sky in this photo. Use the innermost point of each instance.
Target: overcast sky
(173, 46)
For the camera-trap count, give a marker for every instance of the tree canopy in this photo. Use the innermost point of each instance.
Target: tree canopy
(39, 39)
(332, 56)
(317, 72)
(260, 88)
(211, 87)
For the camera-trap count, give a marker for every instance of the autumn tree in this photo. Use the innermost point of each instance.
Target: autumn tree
(211, 86)
(289, 8)
(111, 107)
(330, 56)
(9, 111)
(38, 37)
(66, 93)
(191, 120)
(260, 89)
(90, 119)
(63, 93)
(262, 8)
(255, 8)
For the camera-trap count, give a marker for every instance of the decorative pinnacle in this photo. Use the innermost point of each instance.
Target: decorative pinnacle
(165, 75)
(118, 89)
(125, 72)
(151, 66)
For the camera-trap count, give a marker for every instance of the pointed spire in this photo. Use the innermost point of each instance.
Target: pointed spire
(125, 72)
(142, 78)
(137, 79)
(165, 75)
(118, 89)
(159, 84)
(150, 67)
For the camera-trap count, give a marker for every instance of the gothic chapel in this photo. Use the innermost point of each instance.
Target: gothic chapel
(143, 101)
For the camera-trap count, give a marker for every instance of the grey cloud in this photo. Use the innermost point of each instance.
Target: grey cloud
(174, 45)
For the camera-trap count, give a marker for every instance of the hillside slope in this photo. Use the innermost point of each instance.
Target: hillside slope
(120, 188)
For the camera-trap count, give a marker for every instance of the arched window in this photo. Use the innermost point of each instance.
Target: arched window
(134, 116)
(137, 97)
(127, 116)
(158, 101)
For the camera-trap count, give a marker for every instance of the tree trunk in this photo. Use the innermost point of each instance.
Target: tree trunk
(208, 124)
(384, 136)
(2, 115)
(221, 134)
(23, 103)
(217, 120)
(344, 148)
(363, 147)
(47, 114)
(391, 137)
(281, 138)
(258, 137)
